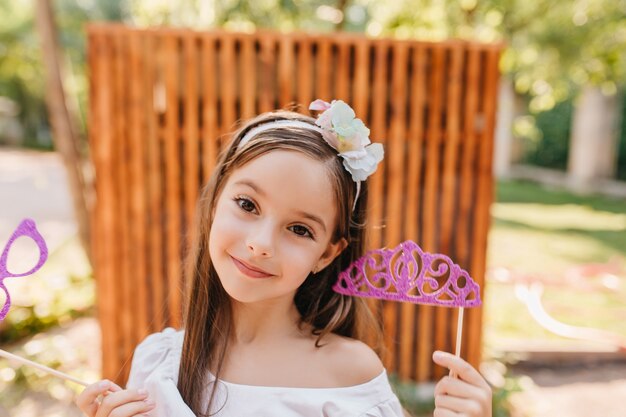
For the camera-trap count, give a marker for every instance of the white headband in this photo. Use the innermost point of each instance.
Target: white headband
(277, 123)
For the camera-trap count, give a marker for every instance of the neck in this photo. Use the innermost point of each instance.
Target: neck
(265, 321)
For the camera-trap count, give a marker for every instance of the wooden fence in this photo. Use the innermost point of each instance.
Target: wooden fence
(161, 102)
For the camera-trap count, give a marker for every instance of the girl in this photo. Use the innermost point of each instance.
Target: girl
(264, 334)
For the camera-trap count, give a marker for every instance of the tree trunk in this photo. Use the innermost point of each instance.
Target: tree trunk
(341, 6)
(64, 132)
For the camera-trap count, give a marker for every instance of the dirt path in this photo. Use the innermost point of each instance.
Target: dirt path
(584, 390)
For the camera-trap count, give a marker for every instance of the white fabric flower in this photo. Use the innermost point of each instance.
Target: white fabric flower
(350, 137)
(362, 164)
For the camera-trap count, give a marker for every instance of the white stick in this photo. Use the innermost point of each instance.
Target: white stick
(459, 337)
(51, 371)
(459, 333)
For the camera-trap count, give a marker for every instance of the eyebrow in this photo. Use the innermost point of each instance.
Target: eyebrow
(313, 217)
(304, 214)
(251, 185)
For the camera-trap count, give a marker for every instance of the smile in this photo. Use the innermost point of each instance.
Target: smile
(250, 271)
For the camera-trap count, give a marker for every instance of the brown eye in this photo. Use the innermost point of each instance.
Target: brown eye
(302, 231)
(245, 204)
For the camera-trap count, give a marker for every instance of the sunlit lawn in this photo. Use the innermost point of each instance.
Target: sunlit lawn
(543, 233)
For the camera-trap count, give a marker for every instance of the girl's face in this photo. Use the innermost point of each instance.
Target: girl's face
(272, 225)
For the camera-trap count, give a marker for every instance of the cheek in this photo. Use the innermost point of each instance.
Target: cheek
(300, 259)
(224, 230)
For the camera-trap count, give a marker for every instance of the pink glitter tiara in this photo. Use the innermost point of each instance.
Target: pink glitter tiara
(407, 273)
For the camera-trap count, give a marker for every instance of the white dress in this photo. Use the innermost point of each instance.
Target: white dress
(155, 368)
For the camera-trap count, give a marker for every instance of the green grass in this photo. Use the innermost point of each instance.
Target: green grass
(541, 232)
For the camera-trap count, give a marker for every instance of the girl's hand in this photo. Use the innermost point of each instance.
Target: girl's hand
(467, 395)
(117, 402)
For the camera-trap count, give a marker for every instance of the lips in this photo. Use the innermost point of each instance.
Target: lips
(249, 270)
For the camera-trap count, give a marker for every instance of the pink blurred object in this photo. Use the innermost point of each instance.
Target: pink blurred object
(407, 273)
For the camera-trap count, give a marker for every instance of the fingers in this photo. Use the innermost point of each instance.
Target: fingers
(445, 413)
(87, 401)
(458, 405)
(125, 403)
(457, 397)
(135, 408)
(457, 388)
(458, 366)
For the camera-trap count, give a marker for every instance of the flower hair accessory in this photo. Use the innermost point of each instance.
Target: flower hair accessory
(348, 135)
(343, 131)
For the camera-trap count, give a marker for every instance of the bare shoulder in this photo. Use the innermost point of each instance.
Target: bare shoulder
(350, 361)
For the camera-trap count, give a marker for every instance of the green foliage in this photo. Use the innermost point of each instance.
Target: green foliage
(21, 66)
(552, 48)
(21, 76)
(58, 293)
(63, 307)
(621, 155)
(551, 148)
(502, 396)
(415, 398)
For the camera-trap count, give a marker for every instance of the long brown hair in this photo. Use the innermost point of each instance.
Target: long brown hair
(208, 315)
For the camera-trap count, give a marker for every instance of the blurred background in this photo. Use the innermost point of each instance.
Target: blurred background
(555, 302)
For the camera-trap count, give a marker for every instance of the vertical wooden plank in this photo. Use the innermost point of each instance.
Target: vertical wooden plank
(228, 90)
(123, 194)
(191, 138)
(323, 65)
(342, 70)
(469, 145)
(102, 136)
(395, 155)
(286, 70)
(376, 184)
(138, 223)
(431, 196)
(210, 129)
(267, 72)
(360, 82)
(172, 177)
(304, 73)
(466, 195)
(153, 88)
(440, 331)
(415, 158)
(448, 186)
(248, 75)
(485, 197)
(361, 88)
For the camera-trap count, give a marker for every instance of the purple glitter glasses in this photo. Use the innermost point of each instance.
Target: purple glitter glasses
(26, 228)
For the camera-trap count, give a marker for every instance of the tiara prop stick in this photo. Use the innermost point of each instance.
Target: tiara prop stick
(43, 368)
(26, 228)
(406, 273)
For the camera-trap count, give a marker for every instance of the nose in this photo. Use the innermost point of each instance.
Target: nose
(260, 241)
